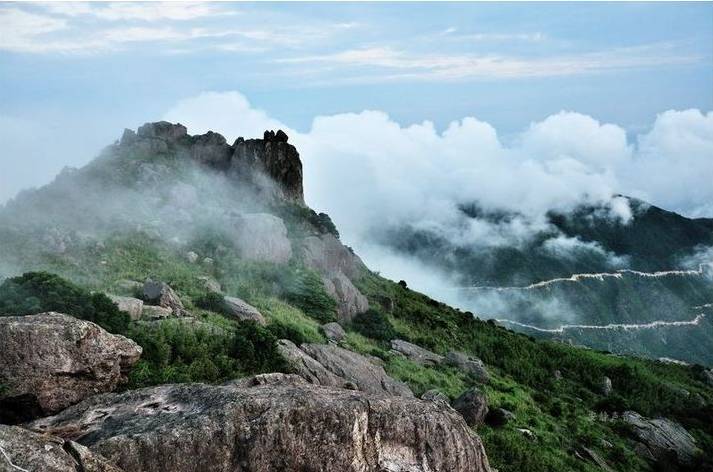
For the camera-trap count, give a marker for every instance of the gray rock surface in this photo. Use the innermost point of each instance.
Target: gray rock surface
(132, 306)
(261, 237)
(328, 364)
(662, 438)
(24, 450)
(306, 367)
(350, 300)
(50, 361)
(262, 162)
(210, 284)
(416, 353)
(469, 364)
(242, 310)
(339, 267)
(333, 331)
(472, 405)
(159, 293)
(269, 423)
(435, 396)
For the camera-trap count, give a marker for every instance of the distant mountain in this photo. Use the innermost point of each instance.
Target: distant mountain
(587, 267)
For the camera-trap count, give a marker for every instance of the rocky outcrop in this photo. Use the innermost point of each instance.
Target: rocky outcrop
(416, 353)
(338, 266)
(160, 294)
(24, 450)
(328, 364)
(471, 365)
(270, 167)
(50, 361)
(131, 306)
(473, 406)
(333, 331)
(264, 161)
(268, 423)
(261, 237)
(242, 310)
(661, 438)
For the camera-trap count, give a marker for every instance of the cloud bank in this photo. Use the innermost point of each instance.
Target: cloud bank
(369, 172)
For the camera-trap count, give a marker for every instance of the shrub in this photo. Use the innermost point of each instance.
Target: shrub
(37, 292)
(373, 324)
(304, 289)
(211, 301)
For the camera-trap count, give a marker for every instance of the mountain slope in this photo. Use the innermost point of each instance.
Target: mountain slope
(213, 220)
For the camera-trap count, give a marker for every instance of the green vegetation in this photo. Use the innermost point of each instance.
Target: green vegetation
(564, 415)
(37, 292)
(373, 324)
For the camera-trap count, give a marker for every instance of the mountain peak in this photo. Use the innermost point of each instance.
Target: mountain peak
(270, 164)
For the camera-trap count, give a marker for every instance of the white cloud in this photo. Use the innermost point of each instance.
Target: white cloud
(401, 64)
(368, 171)
(19, 29)
(144, 11)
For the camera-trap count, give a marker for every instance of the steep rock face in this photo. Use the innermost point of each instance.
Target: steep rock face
(253, 160)
(333, 366)
(24, 450)
(50, 361)
(665, 440)
(338, 266)
(272, 423)
(261, 237)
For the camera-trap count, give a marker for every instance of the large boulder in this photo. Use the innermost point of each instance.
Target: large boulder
(473, 406)
(416, 353)
(132, 306)
(334, 331)
(665, 440)
(24, 450)
(261, 237)
(270, 423)
(471, 365)
(161, 294)
(242, 310)
(50, 361)
(328, 364)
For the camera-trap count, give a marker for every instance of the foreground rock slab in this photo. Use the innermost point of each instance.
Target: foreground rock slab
(24, 450)
(51, 360)
(272, 422)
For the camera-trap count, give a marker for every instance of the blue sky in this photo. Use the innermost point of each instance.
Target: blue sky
(72, 76)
